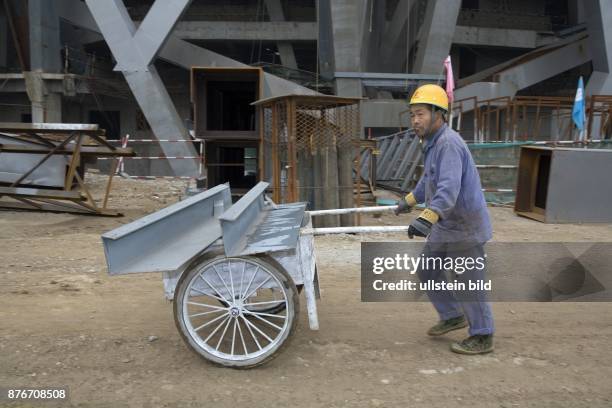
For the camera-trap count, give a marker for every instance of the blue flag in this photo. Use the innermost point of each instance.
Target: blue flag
(579, 110)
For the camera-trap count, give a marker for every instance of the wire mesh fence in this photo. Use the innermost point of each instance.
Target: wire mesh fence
(308, 149)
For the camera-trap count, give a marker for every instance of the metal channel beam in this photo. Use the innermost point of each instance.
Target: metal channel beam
(167, 239)
(242, 217)
(250, 226)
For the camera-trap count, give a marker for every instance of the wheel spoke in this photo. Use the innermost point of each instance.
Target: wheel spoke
(229, 267)
(208, 294)
(223, 281)
(250, 331)
(258, 286)
(234, 337)
(223, 333)
(211, 321)
(215, 289)
(266, 321)
(268, 302)
(250, 282)
(242, 278)
(259, 331)
(242, 338)
(205, 313)
(217, 328)
(207, 305)
(265, 314)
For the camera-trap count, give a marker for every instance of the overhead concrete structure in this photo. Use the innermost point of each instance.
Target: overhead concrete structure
(58, 57)
(599, 18)
(134, 49)
(527, 70)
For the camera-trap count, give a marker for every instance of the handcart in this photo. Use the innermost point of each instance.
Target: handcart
(234, 272)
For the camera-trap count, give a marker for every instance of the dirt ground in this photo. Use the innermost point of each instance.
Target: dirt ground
(65, 322)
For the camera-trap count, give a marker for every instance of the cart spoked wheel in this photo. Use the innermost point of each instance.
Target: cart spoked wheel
(219, 309)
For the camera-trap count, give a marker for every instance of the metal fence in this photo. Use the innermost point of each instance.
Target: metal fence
(308, 146)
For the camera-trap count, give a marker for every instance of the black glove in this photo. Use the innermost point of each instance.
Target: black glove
(403, 207)
(421, 226)
(405, 204)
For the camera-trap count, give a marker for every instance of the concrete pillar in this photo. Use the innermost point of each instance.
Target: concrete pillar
(347, 25)
(396, 41)
(599, 26)
(285, 49)
(325, 41)
(373, 37)
(3, 39)
(576, 12)
(44, 36)
(598, 15)
(436, 35)
(53, 108)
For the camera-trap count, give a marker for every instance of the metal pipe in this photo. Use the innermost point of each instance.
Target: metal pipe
(352, 230)
(338, 211)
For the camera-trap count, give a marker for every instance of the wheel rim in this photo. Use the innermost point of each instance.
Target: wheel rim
(222, 309)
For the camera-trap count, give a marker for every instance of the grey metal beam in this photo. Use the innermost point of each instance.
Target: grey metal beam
(598, 15)
(250, 226)
(275, 11)
(388, 75)
(436, 35)
(125, 43)
(521, 76)
(496, 37)
(170, 238)
(182, 53)
(248, 30)
(154, 30)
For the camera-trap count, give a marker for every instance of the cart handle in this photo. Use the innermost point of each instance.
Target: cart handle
(353, 230)
(338, 211)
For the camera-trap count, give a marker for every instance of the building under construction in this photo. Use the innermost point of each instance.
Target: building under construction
(193, 82)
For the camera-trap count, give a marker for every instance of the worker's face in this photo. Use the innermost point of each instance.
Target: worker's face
(421, 119)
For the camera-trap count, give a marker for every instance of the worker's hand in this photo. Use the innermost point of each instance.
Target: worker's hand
(421, 226)
(405, 204)
(403, 207)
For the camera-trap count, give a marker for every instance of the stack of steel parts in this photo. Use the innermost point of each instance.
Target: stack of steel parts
(399, 156)
(42, 167)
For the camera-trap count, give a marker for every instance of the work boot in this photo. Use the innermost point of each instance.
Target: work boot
(478, 344)
(444, 326)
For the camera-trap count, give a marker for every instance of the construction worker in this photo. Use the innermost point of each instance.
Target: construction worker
(455, 220)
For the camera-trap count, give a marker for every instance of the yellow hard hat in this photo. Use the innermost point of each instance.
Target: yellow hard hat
(430, 94)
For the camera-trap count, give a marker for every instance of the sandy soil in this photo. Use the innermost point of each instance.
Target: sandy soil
(64, 322)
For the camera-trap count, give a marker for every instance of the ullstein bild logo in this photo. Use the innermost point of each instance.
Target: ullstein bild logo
(498, 271)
